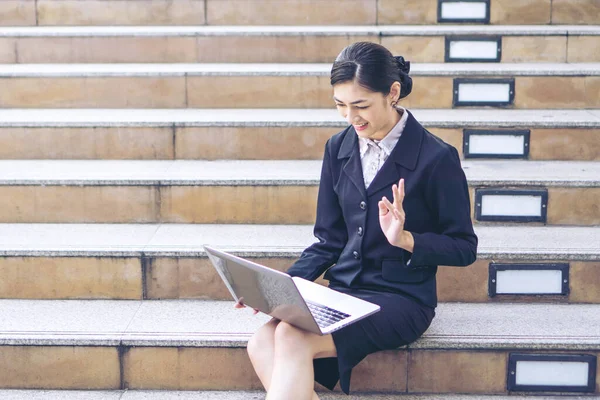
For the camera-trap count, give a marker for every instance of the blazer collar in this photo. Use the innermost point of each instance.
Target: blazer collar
(405, 154)
(348, 144)
(353, 167)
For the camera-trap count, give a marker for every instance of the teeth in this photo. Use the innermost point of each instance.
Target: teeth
(363, 124)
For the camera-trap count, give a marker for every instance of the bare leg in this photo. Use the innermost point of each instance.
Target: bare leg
(293, 373)
(261, 347)
(261, 352)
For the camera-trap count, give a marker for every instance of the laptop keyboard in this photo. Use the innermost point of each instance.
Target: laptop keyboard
(325, 316)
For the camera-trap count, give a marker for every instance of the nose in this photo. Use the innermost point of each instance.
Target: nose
(351, 116)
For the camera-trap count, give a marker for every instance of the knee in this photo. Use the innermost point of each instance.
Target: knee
(254, 345)
(260, 340)
(290, 339)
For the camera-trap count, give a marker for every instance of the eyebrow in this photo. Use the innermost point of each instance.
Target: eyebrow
(354, 102)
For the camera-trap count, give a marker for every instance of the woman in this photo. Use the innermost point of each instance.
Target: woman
(381, 250)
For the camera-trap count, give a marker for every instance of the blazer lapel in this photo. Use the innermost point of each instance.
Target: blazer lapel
(405, 155)
(353, 167)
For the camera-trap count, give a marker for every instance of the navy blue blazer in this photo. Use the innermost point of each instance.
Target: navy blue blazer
(351, 246)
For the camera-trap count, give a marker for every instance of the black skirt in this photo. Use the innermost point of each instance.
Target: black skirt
(401, 321)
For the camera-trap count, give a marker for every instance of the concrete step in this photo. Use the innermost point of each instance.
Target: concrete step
(287, 44)
(521, 86)
(267, 12)
(104, 261)
(185, 191)
(194, 345)
(266, 134)
(22, 394)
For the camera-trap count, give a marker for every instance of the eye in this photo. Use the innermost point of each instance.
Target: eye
(339, 105)
(362, 108)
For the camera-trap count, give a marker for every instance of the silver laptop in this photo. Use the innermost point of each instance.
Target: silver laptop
(300, 302)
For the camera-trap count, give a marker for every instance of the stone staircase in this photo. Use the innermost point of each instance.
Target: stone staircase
(289, 44)
(134, 132)
(539, 86)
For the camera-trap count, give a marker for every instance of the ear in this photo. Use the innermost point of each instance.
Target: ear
(395, 91)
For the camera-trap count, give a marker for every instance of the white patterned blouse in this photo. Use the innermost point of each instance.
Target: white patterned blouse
(373, 153)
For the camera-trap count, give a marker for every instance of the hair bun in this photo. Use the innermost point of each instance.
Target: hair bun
(403, 64)
(405, 79)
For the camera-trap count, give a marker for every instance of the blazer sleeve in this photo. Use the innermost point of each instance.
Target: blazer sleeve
(447, 192)
(330, 229)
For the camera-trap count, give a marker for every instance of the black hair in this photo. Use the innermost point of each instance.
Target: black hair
(374, 68)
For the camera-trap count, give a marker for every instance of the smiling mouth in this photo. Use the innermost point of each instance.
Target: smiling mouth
(361, 125)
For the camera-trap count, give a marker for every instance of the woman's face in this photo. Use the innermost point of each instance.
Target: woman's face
(369, 112)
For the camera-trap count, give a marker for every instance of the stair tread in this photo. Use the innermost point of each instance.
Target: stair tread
(272, 172)
(286, 117)
(576, 118)
(288, 69)
(304, 30)
(169, 240)
(238, 395)
(205, 323)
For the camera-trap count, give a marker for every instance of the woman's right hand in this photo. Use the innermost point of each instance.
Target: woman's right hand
(240, 304)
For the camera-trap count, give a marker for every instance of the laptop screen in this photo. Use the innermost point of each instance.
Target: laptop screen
(255, 285)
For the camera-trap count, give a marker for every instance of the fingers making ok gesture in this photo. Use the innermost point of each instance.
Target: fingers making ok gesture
(391, 215)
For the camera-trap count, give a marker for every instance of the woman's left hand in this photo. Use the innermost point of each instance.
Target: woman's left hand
(392, 217)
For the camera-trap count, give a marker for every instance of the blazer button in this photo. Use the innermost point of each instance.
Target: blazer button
(360, 231)
(356, 255)
(363, 205)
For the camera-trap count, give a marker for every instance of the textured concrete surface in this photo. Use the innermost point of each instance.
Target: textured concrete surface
(83, 239)
(97, 171)
(518, 242)
(160, 322)
(18, 12)
(60, 367)
(271, 172)
(310, 12)
(99, 322)
(191, 237)
(166, 240)
(510, 69)
(150, 172)
(217, 324)
(512, 326)
(132, 395)
(521, 172)
(236, 395)
(295, 30)
(304, 69)
(143, 12)
(61, 394)
(442, 118)
(184, 117)
(118, 278)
